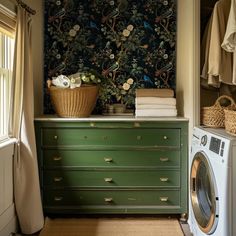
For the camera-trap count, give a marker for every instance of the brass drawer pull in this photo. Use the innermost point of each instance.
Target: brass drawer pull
(108, 159)
(92, 124)
(163, 199)
(164, 179)
(136, 124)
(164, 159)
(139, 137)
(108, 199)
(58, 199)
(55, 137)
(165, 137)
(58, 179)
(108, 180)
(57, 158)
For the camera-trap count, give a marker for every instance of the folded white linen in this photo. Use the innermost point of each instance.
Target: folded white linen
(156, 112)
(155, 100)
(154, 106)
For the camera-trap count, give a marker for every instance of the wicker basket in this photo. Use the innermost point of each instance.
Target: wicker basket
(230, 120)
(77, 102)
(214, 116)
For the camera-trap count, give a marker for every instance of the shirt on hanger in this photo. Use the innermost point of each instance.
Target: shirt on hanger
(229, 43)
(220, 66)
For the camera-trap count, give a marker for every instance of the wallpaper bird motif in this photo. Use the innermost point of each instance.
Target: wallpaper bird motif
(129, 43)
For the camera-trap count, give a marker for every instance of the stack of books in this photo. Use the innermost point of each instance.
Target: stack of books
(155, 102)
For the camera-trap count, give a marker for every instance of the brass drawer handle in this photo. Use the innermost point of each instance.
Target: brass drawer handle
(55, 137)
(108, 159)
(139, 137)
(92, 124)
(58, 199)
(58, 179)
(136, 124)
(163, 199)
(108, 199)
(164, 159)
(57, 158)
(164, 179)
(108, 180)
(165, 137)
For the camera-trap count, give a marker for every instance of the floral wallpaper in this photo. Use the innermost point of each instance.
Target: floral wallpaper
(128, 43)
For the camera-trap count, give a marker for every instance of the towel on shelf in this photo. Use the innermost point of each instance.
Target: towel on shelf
(156, 112)
(164, 93)
(154, 106)
(155, 100)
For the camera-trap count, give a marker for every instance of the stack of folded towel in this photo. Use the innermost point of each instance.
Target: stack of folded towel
(155, 102)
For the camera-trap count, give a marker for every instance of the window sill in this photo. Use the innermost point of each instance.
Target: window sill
(7, 141)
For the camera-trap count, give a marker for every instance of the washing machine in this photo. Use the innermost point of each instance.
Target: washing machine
(212, 183)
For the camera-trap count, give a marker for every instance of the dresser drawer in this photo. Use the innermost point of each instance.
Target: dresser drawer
(115, 158)
(111, 137)
(111, 198)
(66, 178)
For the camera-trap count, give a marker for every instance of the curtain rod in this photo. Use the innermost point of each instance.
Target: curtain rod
(27, 8)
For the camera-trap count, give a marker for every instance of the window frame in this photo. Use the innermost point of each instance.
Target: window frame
(7, 41)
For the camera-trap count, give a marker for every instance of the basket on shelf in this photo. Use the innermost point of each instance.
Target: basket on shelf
(230, 120)
(77, 102)
(214, 116)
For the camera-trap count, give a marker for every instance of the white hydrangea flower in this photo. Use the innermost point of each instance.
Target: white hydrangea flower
(72, 33)
(85, 79)
(126, 86)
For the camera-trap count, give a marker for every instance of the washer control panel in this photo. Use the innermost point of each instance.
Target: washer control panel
(204, 140)
(215, 145)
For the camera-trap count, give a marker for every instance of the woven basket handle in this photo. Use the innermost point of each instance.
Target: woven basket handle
(217, 103)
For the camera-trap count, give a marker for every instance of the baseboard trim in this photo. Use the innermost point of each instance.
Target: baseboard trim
(8, 221)
(10, 228)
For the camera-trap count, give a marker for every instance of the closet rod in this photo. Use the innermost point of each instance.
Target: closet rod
(26, 7)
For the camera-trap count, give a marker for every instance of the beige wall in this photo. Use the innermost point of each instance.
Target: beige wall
(37, 44)
(188, 53)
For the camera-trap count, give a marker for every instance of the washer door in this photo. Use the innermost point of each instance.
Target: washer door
(204, 195)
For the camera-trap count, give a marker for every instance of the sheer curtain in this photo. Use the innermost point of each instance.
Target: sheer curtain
(21, 125)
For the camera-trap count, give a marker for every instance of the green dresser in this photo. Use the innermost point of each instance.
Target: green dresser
(113, 165)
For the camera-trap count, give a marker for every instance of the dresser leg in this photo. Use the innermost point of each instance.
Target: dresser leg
(183, 218)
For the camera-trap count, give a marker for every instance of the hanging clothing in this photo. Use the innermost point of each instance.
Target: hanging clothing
(217, 66)
(229, 43)
(220, 62)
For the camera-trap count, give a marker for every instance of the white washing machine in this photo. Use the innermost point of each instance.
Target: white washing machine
(212, 185)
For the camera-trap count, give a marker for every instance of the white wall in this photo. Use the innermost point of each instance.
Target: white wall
(37, 44)
(8, 220)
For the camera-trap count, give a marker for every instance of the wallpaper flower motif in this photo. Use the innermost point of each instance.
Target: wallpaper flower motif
(130, 43)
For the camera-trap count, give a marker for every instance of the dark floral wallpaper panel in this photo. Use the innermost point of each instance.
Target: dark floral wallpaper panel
(129, 43)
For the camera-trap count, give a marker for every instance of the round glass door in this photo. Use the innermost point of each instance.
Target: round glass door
(204, 195)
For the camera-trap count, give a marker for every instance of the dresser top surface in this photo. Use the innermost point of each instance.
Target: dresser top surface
(95, 118)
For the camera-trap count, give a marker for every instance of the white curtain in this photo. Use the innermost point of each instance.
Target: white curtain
(26, 179)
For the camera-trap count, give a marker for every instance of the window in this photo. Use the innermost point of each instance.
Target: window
(6, 66)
